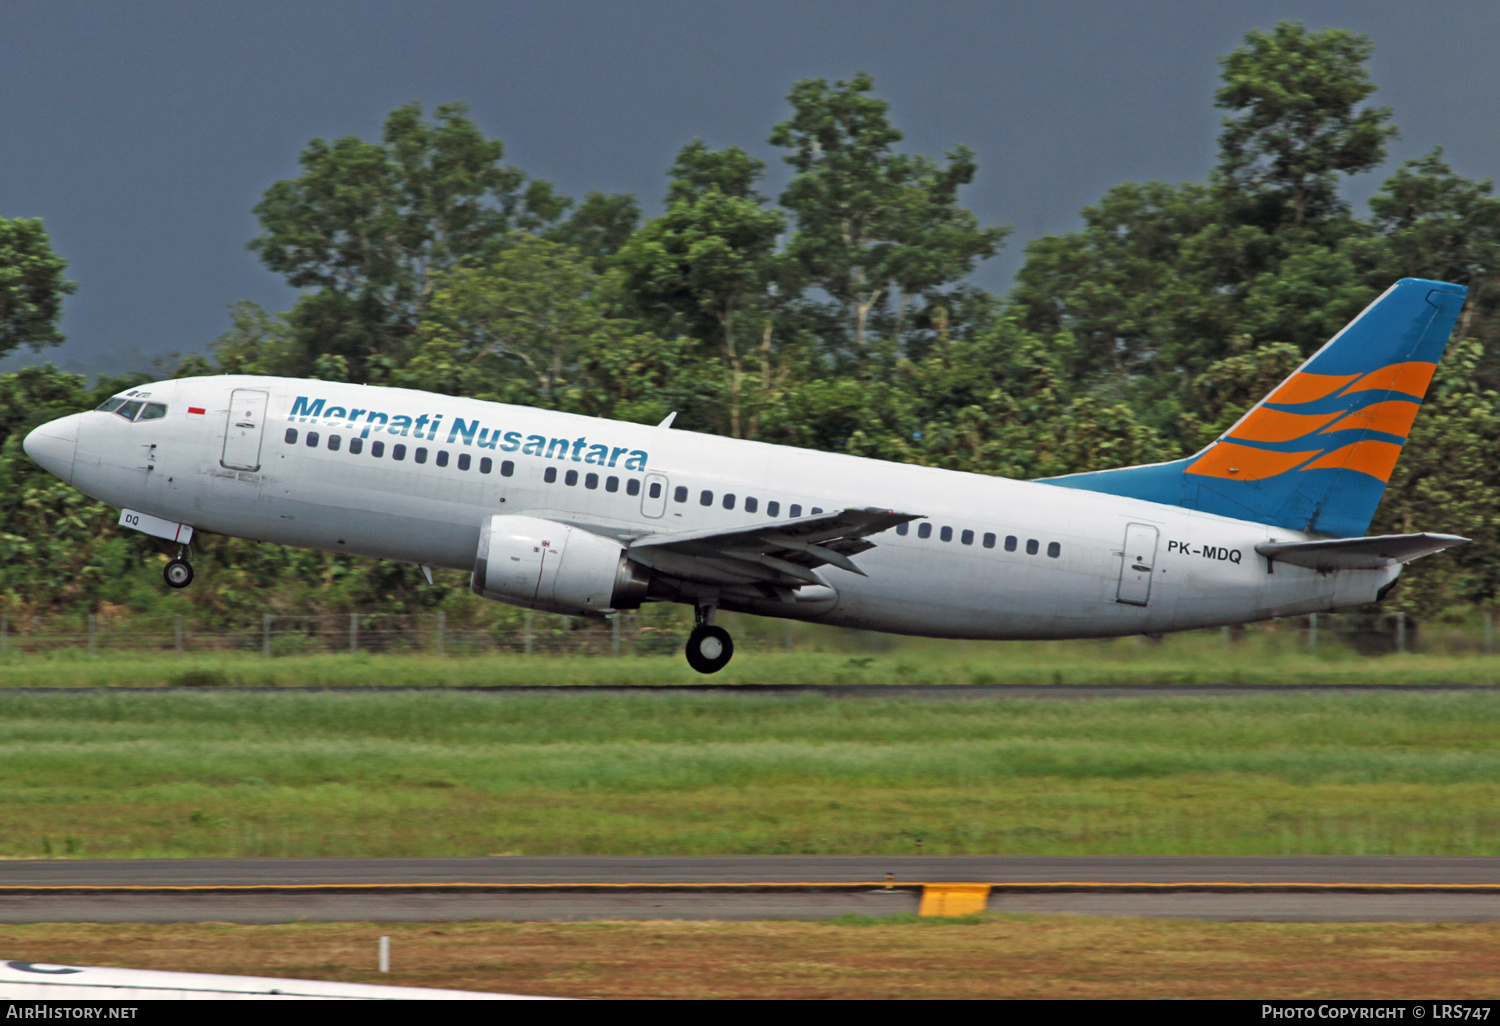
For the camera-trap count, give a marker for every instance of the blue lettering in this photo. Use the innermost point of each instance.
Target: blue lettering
(301, 408)
(465, 429)
(512, 441)
(535, 446)
(637, 460)
(401, 421)
(487, 438)
(373, 414)
(432, 430)
(335, 413)
(616, 454)
(597, 454)
(557, 449)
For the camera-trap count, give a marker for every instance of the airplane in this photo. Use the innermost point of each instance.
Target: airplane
(586, 516)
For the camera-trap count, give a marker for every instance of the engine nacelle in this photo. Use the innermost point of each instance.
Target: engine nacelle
(542, 564)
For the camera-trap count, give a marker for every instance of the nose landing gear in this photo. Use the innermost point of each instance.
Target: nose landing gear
(179, 572)
(709, 648)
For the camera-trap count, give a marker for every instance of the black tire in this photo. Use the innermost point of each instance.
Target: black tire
(178, 573)
(709, 649)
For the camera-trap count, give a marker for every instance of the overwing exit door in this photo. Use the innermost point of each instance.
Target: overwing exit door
(243, 428)
(1135, 566)
(654, 498)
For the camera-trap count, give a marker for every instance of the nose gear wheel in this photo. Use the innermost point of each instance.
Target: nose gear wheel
(178, 573)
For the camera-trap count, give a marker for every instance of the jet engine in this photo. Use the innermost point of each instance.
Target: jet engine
(542, 564)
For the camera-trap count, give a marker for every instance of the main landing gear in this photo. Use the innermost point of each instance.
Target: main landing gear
(179, 572)
(709, 648)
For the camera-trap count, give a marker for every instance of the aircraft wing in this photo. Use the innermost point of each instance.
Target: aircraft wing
(774, 552)
(1358, 553)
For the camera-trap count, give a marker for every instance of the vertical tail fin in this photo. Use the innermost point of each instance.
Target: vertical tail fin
(1315, 454)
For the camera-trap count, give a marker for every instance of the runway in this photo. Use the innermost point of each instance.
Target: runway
(773, 887)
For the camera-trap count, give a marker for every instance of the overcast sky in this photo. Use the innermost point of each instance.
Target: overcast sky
(143, 133)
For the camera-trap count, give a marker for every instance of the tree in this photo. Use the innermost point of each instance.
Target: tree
(708, 266)
(599, 226)
(871, 221)
(1298, 124)
(32, 286)
(368, 225)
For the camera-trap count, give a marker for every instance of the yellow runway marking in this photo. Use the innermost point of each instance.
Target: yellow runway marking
(1022, 885)
(953, 899)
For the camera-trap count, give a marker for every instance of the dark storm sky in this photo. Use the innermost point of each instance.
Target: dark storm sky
(143, 133)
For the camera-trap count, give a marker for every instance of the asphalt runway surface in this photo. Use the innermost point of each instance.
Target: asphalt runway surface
(773, 887)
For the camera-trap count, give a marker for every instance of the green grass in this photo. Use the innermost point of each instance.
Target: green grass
(1265, 656)
(406, 773)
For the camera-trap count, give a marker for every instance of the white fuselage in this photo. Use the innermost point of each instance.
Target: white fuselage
(1181, 569)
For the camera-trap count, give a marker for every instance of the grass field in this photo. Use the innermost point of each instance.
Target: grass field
(270, 773)
(988, 956)
(1270, 654)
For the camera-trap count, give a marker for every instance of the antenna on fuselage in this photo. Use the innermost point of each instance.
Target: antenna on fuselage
(668, 422)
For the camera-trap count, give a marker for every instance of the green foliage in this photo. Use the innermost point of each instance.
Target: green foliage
(32, 286)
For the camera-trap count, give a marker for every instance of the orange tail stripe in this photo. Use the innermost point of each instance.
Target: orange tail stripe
(1242, 463)
(1393, 417)
(1306, 388)
(1267, 425)
(1377, 459)
(1411, 378)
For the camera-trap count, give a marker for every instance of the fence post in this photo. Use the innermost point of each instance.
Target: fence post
(177, 632)
(353, 633)
(93, 632)
(385, 955)
(265, 635)
(526, 632)
(1312, 634)
(614, 635)
(442, 633)
(787, 637)
(1401, 632)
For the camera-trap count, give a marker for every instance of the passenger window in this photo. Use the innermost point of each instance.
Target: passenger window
(729, 501)
(751, 504)
(377, 449)
(464, 460)
(486, 464)
(570, 478)
(110, 405)
(550, 476)
(398, 451)
(312, 439)
(989, 540)
(1010, 543)
(902, 528)
(946, 534)
(795, 511)
(773, 508)
(1031, 546)
(130, 409)
(633, 487)
(333, 443)
(421, 455)
(679, 494)
(612, 484)
(591, 481)
(706, 499)
(506, 469)
(356, 446)
(1054, 549)
(924, 530)
(291, 436)
(442, 458)
(153, 411)
(967, 537)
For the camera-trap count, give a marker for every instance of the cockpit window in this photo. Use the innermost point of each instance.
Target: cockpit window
(110, 405)
(130, 409)
(152, 411)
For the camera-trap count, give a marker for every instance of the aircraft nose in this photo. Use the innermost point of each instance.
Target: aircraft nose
(53, 445)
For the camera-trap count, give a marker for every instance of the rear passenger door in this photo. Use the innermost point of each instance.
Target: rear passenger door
(654, 496)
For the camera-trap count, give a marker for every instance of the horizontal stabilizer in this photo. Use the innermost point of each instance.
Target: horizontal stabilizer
(1358, 553)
